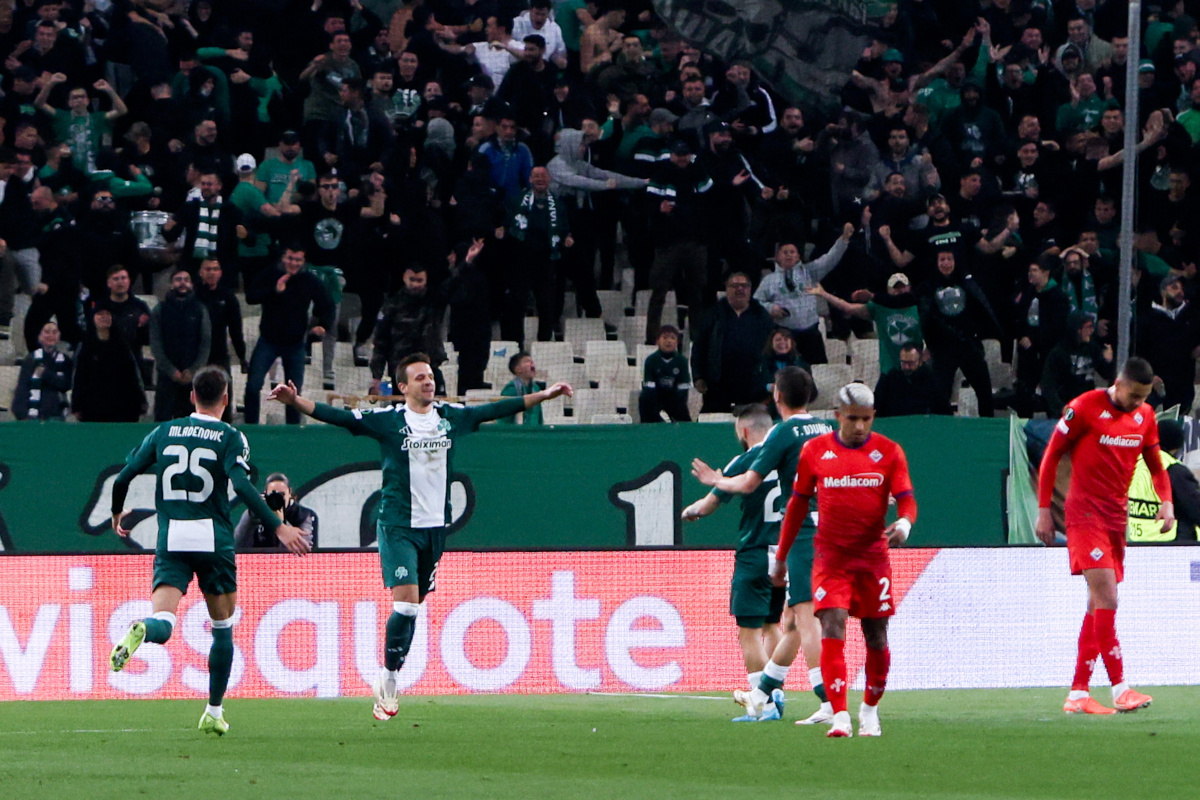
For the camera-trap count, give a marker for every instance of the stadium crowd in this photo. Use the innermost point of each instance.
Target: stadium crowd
(482, 157)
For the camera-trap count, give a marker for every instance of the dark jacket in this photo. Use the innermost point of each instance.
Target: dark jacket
(108, 383)
(285, 314)
(1185, 491)
(408, 324)
(45, 396)
(726, 348)
(900, 394)
(180, 334)
(1069, 367)
(187, 219)
(251, 534)
(1166, 339)
(954, 312)
(1042, 316)
(225, 317)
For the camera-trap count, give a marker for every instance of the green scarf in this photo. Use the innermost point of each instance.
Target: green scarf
(1083, 297)
(519, 226)
(206, 229)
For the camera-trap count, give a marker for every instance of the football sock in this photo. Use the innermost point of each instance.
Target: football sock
(1110, 648)
(220, 660)
(773, 677)
(752, 679)
(159, 626)
(214, 711)
(1085, 660)
(814, 678)
(400, 627)
(878, 662)
(1119, 689)
(833, 667)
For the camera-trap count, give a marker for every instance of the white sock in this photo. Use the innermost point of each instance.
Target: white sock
(865, 710)
(827, 707)
(759, 697)
(1077, 694)
(394, 674)
(1119, 689)
(814, 677)
(776, 671)
(752, 678)
(214, 711)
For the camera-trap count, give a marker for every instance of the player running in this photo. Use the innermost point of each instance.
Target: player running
(416, 444)
(196, 458)
(1104, 430)
(777, 456)
(856, 471)
(752, 596)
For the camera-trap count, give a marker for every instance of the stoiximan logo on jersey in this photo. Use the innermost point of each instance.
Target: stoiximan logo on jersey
(863, 480)
(1121, 441)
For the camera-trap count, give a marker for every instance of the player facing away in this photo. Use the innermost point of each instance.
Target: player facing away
(1104, 430)
(751, 596)
(777, 456)
(855, 471)
(196, 458)
(417, 444)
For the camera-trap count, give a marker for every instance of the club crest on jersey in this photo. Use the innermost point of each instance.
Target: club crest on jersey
(876, 456)
(1138, 418)
(829, 456)
(1069, 414)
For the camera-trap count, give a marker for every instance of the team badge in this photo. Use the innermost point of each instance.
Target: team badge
(1138, 418)
(819, 593)
(401, 573)
(1069, 414)
(876, 456)
(1096, 554)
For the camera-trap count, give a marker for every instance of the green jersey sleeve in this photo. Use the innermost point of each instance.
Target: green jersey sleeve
(474, 416)
(370, 422)
(137, 462)
(237, 467)
(771, 452)
(737, 466)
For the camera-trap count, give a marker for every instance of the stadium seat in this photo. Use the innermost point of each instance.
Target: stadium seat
(531, 330)
(632, 330)
(8, 385)
(642, 352)
(581, 331)
(829, 378)
(715, 416)
(572, 373)
(570, 306)
(864, 361)
(836, 351)
(611, 419)
(589, 402)
(612, 306)
(968, 403)
(695, 402)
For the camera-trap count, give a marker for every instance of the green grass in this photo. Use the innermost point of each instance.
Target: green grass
(961, 744)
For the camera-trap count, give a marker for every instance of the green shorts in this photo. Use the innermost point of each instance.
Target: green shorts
(409, 556)
(799, 564)
(215, 572)
(750, 589)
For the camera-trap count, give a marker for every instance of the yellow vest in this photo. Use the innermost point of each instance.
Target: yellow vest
(1144, 503)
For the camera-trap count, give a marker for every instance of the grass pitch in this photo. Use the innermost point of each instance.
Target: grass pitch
(960, 744)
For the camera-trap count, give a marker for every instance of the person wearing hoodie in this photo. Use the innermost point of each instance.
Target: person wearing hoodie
(1070, 364)
(975, 131)
(1040, 319)
(510, 160)
(955, 319)
(783, 293)
(107, 384)
(573, 179)
(180, 338)
(1169, 338)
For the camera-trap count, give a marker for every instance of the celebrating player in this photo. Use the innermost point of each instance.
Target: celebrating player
(856, 471)
(416, 442)
(1104, 430)
(751, 598)
(196, 458)
(777, 457)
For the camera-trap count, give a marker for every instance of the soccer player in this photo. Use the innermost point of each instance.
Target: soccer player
(856, 471)
(416, 444)
(777, 457)
(1104, 430)
(752, 596)
(196, 458)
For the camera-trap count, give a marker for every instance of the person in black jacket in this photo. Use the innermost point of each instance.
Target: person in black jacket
(909, 389)
(955, 319)
(1185, 491)
(1040, 321)
(180, 338)
(252, 534)
(57, 295)
(1169, 338)
(1069, 366)
(212, 226)
(286, 293)
(44, 379)
(108, 382)
(727, 345)
(225, 316)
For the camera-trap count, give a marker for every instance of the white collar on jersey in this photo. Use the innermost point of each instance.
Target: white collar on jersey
(203, 416)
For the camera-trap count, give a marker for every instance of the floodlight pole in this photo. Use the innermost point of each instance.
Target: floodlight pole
(1129, 183)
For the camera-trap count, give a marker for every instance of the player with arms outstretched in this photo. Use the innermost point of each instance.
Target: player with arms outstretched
(777, 456)
(855, 472)
(417, 444)
(1104, 430)
(196, 458)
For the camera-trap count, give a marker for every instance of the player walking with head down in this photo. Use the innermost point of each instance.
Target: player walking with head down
(856, 471)
(417, 443)
(196, 458)
(777, 457)
(1104, 430)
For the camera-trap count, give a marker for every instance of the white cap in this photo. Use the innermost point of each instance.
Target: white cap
(246, 163)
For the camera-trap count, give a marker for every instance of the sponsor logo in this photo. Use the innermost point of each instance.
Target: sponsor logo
(876, 456)
(1121, 441)
(426, 444)
(1096, 554)
(1069, 414)
(820, 593)
(863, 480)
(1105, 415)
(829, 455)
(885, 606)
